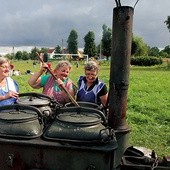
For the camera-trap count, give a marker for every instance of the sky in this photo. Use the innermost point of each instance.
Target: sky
(48, 23)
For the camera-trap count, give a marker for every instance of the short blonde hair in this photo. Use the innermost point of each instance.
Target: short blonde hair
(64, 63)
(91, 66)
(4, 60)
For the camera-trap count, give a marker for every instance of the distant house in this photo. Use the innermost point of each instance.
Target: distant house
(65, 54)
(65, 51)
(51, 52)
(80, 55)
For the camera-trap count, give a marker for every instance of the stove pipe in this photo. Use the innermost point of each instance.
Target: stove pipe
(120, 66)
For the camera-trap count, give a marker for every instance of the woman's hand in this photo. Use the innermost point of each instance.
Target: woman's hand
(12, 94)
(44, 67)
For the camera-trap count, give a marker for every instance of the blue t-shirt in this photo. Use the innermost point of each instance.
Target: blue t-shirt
(3, 91)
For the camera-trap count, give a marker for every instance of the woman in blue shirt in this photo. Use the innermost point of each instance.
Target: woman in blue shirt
(8, 87)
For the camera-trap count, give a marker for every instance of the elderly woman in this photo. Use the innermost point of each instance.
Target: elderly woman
(90, 87)
(50, 85)
(8, 87)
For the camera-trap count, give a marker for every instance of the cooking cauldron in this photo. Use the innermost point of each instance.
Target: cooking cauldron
(19, 121)
(79, 125)
(44, 103)
(84, 104)
(89, 105)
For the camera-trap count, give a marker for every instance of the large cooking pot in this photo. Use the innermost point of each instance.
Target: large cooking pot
(19, 121)
(44, 103)
(79, 124)
(84, 104)
(89, 105)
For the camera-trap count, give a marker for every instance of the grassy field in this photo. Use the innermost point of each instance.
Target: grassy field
(148, 107)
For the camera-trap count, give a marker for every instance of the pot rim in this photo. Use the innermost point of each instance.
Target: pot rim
(79, 118)
(30, 99)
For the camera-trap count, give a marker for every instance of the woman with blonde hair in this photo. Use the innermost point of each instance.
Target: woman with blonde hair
(50, 85)
(8, 87)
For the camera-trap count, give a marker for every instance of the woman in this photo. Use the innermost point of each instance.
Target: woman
(90, 87)
(8, 87)
(50, 85)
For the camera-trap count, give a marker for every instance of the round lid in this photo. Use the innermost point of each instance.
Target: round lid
(83, 104)
(33, 101)
(13, 115)
(79, 118)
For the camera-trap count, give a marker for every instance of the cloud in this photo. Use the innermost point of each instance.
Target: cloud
(48, 23)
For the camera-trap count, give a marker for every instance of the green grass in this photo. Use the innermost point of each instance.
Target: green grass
(148, 103)
(148, 111)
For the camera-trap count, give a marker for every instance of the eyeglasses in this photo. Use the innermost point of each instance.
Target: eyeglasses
(91, 74)
(5, 67)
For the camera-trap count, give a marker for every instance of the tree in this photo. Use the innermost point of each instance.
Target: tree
(167, 49)
(167, 22)
(139, 48)
(163, 54)
(43, 50)
(25, 55)
(154, 51)
(73, 42)
(18, 55)
(57, 51)
(106, 41)
(90, 46)
(9, 56)
(33, 53)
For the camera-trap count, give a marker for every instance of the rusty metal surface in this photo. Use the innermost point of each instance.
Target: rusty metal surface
(41, 154)
(120, 66)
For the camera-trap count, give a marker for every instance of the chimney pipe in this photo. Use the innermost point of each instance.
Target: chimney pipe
(120, 66)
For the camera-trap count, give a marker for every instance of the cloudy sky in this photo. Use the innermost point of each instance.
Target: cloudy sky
(48, 23)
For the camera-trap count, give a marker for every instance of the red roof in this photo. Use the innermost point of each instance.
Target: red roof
(50, 51)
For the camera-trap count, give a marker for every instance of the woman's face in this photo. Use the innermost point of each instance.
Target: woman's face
(62, 72)
(90, 75)
(4, 69)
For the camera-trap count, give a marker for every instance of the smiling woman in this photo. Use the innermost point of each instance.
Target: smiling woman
(90, 88)
(51, 83)
(8, 87)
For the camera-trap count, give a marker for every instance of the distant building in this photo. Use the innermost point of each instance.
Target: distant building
(51, 52)
(65, 54)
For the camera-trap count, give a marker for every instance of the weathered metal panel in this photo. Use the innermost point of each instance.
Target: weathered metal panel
(40, 154)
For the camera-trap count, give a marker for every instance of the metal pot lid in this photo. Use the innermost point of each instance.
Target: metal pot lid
(33, 101)
(79, 118)
(84, 104)
(13, 115)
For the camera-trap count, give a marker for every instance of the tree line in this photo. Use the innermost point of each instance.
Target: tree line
(139, 47)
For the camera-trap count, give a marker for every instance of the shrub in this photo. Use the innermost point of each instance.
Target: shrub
(146, 61)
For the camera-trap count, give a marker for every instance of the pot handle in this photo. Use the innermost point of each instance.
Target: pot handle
(19, 107)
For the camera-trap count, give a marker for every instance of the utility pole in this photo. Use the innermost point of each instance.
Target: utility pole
(62, 46)
(100, 50)
(13, 52)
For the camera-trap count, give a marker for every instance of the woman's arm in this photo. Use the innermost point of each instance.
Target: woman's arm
(35, 79)
(104, 99)
(103, 95)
